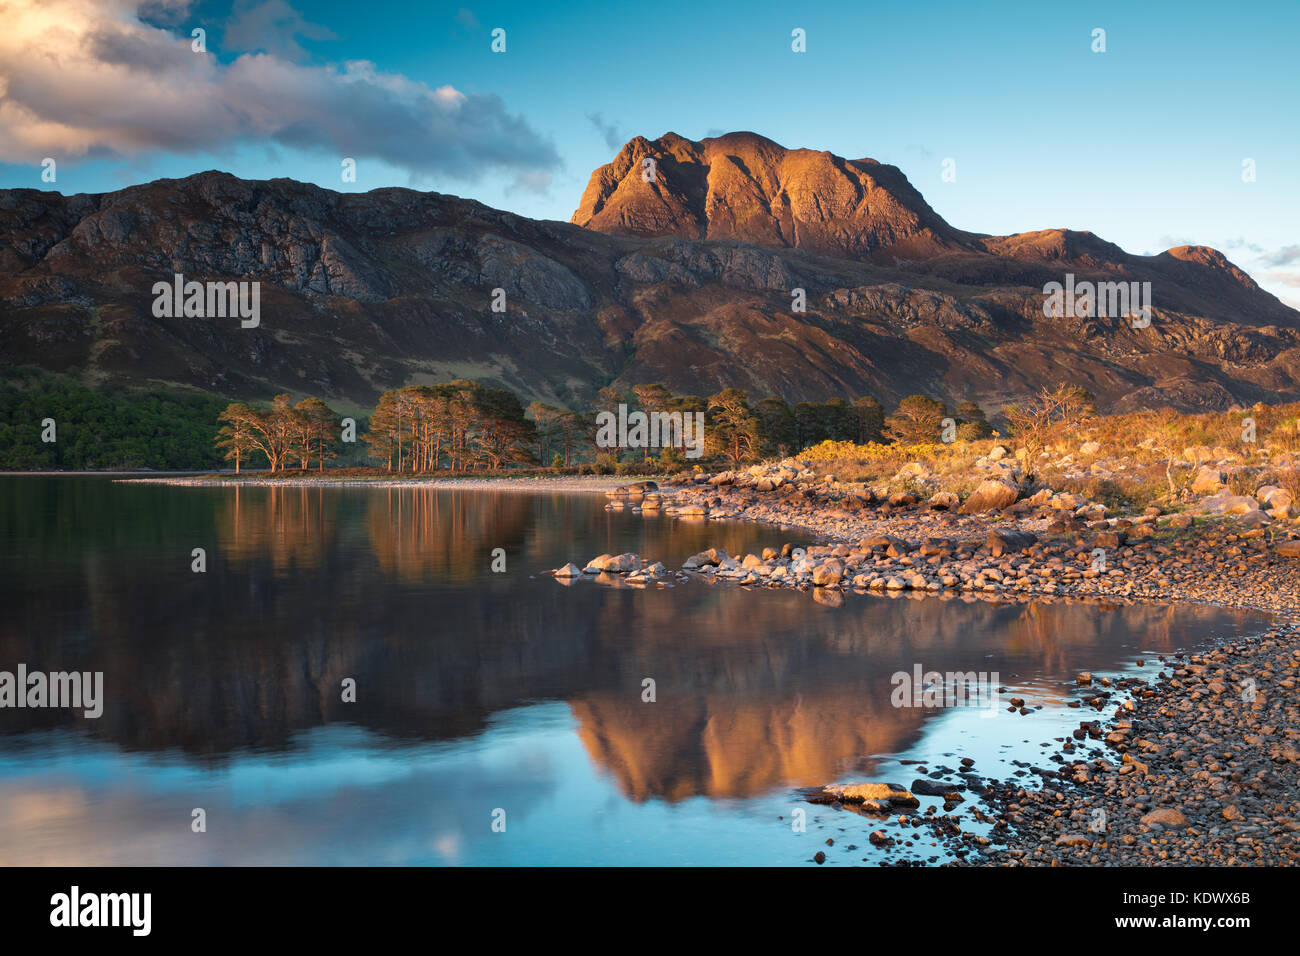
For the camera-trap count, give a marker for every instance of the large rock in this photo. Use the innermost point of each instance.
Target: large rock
(993, 494)
(713, 556)
(616, 563)
(1207, 481)
(1009, 540)
(882, 541)
(1166, 818)
(827, 574)
(863, 792)
(1225, 504)
(1273, 497)
(933, 788)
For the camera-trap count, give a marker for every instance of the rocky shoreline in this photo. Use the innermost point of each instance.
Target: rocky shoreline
(1198, 766)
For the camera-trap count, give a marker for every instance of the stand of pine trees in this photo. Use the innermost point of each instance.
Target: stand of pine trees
(283, 435)
(464, 426)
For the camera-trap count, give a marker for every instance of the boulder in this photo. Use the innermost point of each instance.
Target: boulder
(933, 788)
(887, 793)
(714, 556)
(615, 563)
(993, 494)
(1008, 540)
(1225, 504)
(1274, 497)
(944, 500)
(1111, 539)
(827, 574)
(570, 570)
(933, 546)
(1073, 839)
(1166, 818)
(1207, 481)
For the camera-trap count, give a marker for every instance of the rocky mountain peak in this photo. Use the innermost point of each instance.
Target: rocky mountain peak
(742, 186)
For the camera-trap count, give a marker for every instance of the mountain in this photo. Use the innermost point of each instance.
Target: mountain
(747, 188)
(687, 280)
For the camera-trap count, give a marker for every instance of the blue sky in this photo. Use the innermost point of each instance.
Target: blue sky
(1142, 144)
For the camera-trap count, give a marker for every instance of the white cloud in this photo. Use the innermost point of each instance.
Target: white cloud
(92, 78)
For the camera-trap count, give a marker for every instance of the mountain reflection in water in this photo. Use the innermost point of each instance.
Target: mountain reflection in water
(233, 678)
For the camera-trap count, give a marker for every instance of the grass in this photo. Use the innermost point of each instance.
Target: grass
(1141, 455)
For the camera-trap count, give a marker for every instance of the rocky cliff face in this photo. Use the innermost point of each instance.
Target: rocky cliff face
(744, 187)
(688, 281)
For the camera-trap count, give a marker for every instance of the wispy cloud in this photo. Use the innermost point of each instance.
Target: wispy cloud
(100, 78)
(1281, 257)
(610, 132)
(1241, 243)
(271, 26)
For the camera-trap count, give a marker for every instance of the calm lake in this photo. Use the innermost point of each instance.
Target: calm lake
(479, 692)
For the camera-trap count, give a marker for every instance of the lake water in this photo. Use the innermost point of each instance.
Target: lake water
(481, 697)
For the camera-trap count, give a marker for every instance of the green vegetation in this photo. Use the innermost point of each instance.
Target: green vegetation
(101, 430)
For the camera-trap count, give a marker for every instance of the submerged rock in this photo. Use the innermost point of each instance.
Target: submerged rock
(860, 792)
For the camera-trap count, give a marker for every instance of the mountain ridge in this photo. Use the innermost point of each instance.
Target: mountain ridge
(367, 291)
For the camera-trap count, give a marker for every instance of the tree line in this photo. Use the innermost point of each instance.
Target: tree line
(465, 426)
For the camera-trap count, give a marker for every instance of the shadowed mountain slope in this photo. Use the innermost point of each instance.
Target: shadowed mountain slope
(686, 280)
